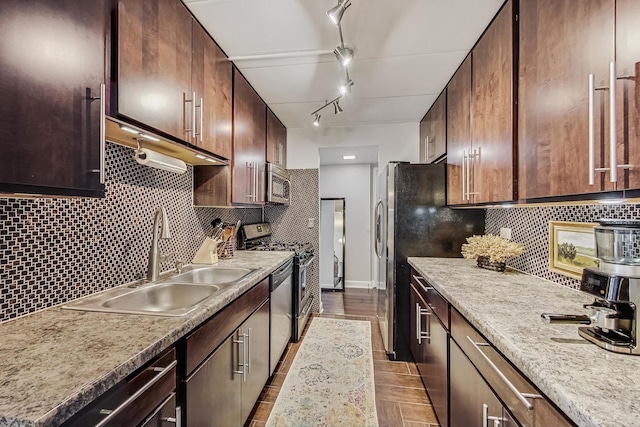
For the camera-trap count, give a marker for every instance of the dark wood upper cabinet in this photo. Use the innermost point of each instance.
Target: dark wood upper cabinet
(249, 139)
(276, 140)
(628, 91)
(154, 65)
(562, 42)
(52, 66)
(492, 111)
(458, 133)
(211, 79)
(433, 131)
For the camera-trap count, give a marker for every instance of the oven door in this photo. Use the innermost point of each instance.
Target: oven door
(302, 282)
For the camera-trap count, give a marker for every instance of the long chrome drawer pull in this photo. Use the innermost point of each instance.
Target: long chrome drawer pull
(248, 364)
(486, 417)
(613, 125)
(521, 396)
(137, 394)
(420, 335)
(241, 341)
(592, 131)
(419, 279)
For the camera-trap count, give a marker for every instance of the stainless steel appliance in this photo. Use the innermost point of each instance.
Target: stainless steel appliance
(257, 237)
(280, 326)
(278, 185)
(411, 219)
(616, 285)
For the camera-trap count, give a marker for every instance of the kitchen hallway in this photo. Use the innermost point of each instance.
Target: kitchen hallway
(401, 399)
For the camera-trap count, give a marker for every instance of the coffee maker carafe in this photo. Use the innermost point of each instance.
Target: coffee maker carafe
(616, 286)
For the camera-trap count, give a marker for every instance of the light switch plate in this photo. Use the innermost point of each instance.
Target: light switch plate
(505, 233)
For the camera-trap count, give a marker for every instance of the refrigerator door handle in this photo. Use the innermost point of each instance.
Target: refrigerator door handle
(378, 237)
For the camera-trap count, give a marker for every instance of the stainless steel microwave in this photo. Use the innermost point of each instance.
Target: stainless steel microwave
(278, 185)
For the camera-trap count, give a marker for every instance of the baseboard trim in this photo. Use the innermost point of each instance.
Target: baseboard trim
(357, 284)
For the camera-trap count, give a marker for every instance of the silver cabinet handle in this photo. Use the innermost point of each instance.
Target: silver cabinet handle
(113, 413)
(464, 169)
(592, 130)
(185, 101)
(521, 396)
(193, 115)
(201, 120)
(251, 195)
(195, 118)
(613, 138)
(241, 364)
(486, 417)
(424, 286)
(473, 156)
(177, 420)
(248, 364)
(103, 124)
(426, 148)
(420, 334)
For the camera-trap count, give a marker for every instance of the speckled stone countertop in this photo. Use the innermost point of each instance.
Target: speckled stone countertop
(54, 362)
(592, 386)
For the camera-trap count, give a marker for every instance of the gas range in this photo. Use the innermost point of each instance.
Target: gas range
(303, 251)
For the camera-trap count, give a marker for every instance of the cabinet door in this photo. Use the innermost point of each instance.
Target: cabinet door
(211, 80)
(470, 393)
(154, 65)
(436, 145)
(561, 43)
(628, 91)
(458, 132)
(256, 329)
(434, 368)
(213, 390)
(249, 138)
(492, 111)
(276, 140)
(52, 63)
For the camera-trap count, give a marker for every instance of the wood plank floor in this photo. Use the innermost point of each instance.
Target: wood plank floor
(401, 399)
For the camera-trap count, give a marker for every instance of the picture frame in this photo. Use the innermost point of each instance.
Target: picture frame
(572, 247)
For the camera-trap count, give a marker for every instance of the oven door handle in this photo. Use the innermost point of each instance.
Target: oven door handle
(308, 263)
(306, 308)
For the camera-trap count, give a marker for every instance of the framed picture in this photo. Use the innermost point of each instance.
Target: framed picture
(572, 247)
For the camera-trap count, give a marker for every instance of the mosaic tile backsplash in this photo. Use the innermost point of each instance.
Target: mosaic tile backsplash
(290, 224)
(530, 226)
(55, 250)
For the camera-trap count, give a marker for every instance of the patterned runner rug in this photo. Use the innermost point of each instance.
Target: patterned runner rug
(330, 382)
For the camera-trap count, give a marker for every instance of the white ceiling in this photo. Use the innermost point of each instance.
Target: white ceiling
(333, 155)
(404, 53)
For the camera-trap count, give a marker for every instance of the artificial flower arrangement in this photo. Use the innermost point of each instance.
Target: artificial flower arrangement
(491, 251)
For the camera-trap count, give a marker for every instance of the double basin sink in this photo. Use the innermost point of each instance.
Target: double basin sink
(176, 295)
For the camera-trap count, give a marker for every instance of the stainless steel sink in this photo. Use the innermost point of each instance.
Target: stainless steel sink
(210, 275)
(171, 296)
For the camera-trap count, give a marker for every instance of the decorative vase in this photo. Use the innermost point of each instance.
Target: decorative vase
(483, 262)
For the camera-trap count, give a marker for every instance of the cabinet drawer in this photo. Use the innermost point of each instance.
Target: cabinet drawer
(520, 396)
(131, 401)
(213, 332)
(434, 300)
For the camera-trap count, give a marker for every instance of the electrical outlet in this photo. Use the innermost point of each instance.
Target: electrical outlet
(505, 233)
(311, 222)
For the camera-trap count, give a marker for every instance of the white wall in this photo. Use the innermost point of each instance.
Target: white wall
(353, 182)
(398, 141)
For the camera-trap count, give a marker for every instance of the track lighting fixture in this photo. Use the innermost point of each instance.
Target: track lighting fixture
(345, 88)
(316, 121)
(344, 55)
(336, 12)
(336, 107)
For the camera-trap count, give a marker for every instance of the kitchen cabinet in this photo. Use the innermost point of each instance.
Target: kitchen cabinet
(433, 131)
(249, 139)
(153, 85)
(430, 343)
(227, 362)
(211, 85)
(458, 134)
(276, 140)
(52, 76)
(492, 117)
(561, 44)
(473, 404)
(143, 397)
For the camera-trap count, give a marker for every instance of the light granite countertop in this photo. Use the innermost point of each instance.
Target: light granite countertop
(592, 386)
(56, 361)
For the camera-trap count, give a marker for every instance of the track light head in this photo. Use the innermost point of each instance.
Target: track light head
(316, 121)
(336, 107)
(344, 55)
(336, 12)
(346, 86)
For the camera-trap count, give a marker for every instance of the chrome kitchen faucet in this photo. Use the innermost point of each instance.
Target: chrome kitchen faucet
(160, 231)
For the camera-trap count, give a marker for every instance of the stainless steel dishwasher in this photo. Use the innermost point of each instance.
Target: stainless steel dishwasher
(281, 311)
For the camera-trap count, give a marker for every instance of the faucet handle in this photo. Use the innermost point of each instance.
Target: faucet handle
(179, 265)
(165, 257)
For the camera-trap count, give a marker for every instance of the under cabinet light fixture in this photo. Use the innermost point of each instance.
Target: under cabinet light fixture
(149, 137)
(128, 129)
(336, 12)
(200, 156)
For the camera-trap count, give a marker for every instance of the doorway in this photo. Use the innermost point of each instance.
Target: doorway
(332, 243)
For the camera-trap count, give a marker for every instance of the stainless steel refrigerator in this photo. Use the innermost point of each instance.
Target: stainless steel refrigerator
(411, 219)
